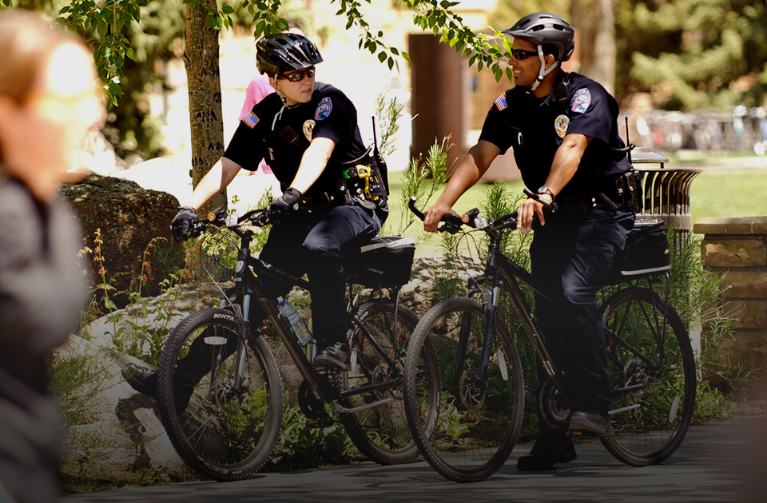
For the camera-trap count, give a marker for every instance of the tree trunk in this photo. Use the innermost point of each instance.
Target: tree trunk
(594, 21)
(204, 83)
(205, 115)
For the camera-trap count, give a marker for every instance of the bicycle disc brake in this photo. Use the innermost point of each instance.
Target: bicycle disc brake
(472, 395)
(312, 407)
(636, 374)
(552, 406)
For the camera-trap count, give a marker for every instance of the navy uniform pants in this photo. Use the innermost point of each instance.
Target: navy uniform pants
(571, 256)
(316, 245)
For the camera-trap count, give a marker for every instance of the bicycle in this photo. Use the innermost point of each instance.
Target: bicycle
(219, 388)
(465, 412)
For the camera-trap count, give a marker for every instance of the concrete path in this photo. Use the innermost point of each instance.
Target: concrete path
(718, 462)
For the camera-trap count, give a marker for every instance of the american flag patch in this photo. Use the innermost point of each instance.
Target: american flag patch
(250, 119)
(500, 102)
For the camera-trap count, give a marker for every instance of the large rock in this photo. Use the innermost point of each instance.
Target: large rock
(122, 431)
(129, 218)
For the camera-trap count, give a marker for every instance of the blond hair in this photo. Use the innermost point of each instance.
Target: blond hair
(26, 43)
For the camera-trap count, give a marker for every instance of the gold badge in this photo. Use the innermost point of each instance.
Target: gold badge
(308, 128)
(560, 125)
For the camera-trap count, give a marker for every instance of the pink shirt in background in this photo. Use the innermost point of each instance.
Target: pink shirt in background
(258, 89)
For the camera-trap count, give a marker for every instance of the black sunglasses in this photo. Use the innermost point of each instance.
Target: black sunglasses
(522, 54)
(297, 76)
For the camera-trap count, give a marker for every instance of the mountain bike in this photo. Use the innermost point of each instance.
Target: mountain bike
(219, 388)
(464, 390)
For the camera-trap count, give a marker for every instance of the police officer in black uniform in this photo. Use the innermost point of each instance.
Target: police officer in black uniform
(564, 134)
(307, 131)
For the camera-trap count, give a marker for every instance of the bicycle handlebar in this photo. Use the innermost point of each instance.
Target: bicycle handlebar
(219, 218)
(471, 218)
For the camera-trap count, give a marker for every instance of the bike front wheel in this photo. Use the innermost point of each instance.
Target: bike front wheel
(652, 377)
(380, 432)
(223, 429)
(465, 419)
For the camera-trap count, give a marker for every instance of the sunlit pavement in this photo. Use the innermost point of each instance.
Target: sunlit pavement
(718, 462)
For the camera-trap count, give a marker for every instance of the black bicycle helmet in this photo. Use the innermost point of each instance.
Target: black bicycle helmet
(543, 28)
(285, 52)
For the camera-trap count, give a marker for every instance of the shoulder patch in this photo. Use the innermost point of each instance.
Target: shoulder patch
(250, 119)
(500, 102)
(580, 101)
(323, 109)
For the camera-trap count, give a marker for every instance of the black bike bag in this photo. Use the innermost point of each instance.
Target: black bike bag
(646, 252)
(386, 261)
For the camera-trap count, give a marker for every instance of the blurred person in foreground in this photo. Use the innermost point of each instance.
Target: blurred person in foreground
(47, 106)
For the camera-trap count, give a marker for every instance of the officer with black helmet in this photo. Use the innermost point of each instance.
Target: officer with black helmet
(307, 131)
(563, 130)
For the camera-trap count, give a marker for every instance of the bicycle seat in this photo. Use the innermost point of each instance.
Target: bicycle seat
(384, 261)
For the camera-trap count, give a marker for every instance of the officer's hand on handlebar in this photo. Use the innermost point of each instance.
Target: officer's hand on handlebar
(284, 204)
(433, 216)
(527, 209)
(182, 223)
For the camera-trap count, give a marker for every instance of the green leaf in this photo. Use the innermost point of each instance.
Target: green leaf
(406, 56)
(391, 62)
(382, 56)
(227, 9)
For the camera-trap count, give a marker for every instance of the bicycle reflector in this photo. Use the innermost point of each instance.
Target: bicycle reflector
(211, 216)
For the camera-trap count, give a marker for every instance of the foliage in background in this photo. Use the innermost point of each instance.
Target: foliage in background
(698, 53)
(423, 179)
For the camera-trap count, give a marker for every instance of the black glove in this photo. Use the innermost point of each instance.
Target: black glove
(284, 204)
(182, 223)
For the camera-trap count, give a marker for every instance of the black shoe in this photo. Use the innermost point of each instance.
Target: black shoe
(337, 354)
(546, 453)
(588, 421)
(141, 379)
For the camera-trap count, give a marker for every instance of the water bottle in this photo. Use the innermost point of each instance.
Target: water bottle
(290, 313)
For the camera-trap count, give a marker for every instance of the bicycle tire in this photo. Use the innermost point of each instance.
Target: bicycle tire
(656, 418)
(381, 433)
(222, 434)
(464, 429)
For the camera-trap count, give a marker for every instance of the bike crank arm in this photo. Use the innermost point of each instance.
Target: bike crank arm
(370, 387)
(624, 409)
(341, 408)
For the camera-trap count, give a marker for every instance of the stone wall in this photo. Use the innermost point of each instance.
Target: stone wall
(736, 248)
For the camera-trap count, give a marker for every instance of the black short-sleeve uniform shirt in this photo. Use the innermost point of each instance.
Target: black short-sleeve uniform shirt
(281, 135)
(535, 127)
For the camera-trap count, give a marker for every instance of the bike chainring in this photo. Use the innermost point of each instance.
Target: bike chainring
(552, 406)
(312, 407)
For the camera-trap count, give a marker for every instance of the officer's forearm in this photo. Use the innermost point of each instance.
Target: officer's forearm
(313, 163)
(215, 181)
(468, 173)
(566, 161)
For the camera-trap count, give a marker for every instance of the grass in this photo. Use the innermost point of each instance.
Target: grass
(728, 192)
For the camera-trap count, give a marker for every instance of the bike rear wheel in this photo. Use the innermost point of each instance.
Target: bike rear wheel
(464, 426)
(380, 432)
(652, 377)
(222, 432)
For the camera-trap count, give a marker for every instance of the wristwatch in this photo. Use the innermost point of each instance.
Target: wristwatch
(545, 190)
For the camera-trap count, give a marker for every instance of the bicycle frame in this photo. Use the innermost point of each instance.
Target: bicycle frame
(250, 284)
(504, 273)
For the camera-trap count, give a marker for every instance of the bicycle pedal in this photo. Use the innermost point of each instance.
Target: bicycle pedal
(329, 370)
(319, 423)
(583, 434)
(591, 434)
